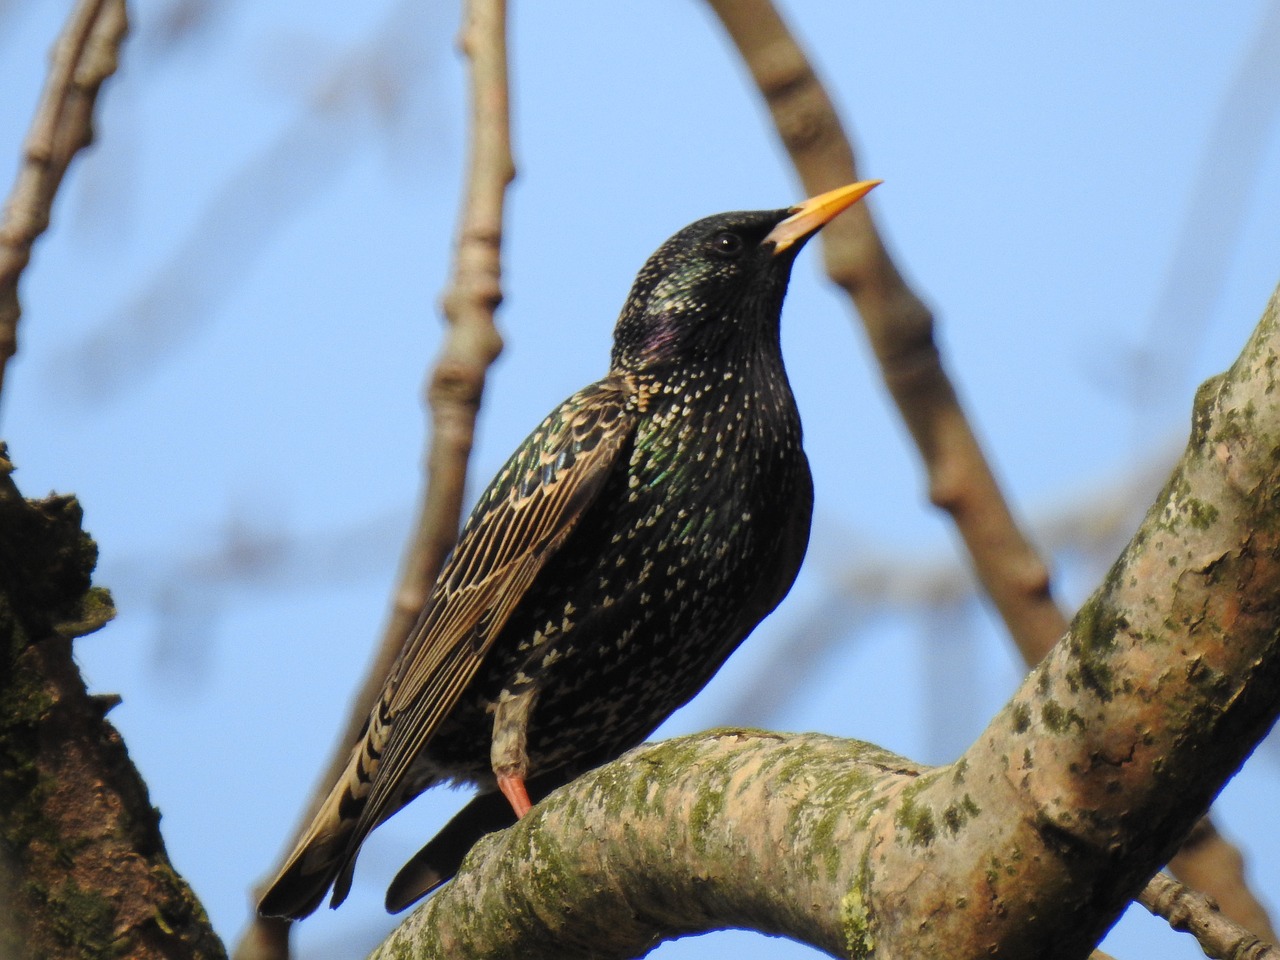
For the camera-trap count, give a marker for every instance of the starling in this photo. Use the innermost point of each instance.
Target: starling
(619, 556)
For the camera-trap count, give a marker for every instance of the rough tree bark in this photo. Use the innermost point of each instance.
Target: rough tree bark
(1030, 844)
(83, 870)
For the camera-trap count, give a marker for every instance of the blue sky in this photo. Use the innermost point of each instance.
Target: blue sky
(228, 326)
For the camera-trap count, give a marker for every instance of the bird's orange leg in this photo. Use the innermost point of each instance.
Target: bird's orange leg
(507, 753)
(512, 787)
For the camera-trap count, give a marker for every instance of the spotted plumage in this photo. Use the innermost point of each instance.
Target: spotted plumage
(619, 556)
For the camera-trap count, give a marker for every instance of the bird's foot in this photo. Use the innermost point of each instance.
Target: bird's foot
(508, 751)
(512, 787)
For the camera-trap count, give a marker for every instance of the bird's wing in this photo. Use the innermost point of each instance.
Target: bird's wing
(521, 520)
(526, 514)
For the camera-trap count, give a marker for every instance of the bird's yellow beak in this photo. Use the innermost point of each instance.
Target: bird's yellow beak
(816, 212)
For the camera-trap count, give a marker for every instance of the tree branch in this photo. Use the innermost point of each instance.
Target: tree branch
(1194, 912)
(1207, 862)
(455, 390)
(1030, 844)
(731, 828)
(84, 56)
(210, 262)
(900, 329)
(474, 294)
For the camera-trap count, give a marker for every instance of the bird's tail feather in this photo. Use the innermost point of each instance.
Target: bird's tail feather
(439, 860)
(325, 855)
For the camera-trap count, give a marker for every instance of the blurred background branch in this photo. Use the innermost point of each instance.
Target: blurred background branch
(85, 55)
(454, 394)
(371, 86)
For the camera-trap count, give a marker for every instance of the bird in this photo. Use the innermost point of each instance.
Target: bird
(623, 551)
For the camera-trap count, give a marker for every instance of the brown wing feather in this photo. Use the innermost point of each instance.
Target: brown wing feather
(521, 520)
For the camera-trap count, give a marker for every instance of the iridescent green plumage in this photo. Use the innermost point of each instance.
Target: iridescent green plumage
(622, 553)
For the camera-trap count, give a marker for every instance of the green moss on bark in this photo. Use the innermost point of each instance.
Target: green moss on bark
(914, 819)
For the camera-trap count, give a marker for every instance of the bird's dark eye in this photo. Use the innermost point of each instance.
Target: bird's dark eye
(727, 244)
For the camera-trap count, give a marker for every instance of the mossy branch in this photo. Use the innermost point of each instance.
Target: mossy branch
(731, 828)
(1029, 845)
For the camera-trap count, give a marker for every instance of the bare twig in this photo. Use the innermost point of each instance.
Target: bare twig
(457, 381)
(1209, 862)
(474, 294)
(1198, 915)
(84, 56)
(900, 328)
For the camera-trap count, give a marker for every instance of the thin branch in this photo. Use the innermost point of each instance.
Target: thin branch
(900, 328)
(457, 381)
(475, 292)
(1207, 861)
(1195, 913)
(84, 56)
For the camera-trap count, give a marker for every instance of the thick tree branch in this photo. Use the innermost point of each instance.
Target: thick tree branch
(455, 390)
(1132, 724)
(727, 828)
(900, 329)
(1029, 845)
(84, 56)
(83, 871)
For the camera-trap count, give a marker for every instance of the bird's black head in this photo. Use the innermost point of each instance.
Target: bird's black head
(715, 289)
